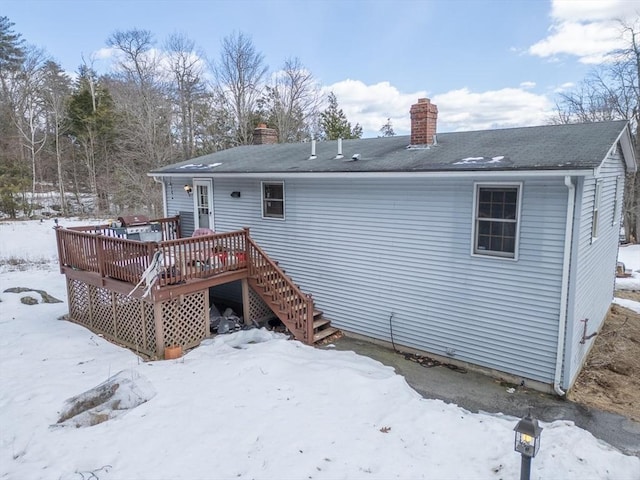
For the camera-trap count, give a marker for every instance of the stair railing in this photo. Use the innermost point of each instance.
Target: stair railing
(295, 308)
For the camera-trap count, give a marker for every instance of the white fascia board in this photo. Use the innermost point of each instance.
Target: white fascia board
(628, 151)
(439, 174)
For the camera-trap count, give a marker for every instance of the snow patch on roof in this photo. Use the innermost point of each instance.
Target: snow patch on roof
(479, 160)
(200, 166)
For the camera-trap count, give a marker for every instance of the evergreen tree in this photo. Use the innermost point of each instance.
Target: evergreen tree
(11, 47)
(356, 131)
(334, 123)
(91, 116)
(14, 172)
(387, 129)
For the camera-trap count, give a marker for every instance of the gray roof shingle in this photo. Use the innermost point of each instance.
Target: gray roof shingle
(550, 147)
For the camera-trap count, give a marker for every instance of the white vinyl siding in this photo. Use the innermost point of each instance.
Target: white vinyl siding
(368, 247)
(180, 203)
(593, 263)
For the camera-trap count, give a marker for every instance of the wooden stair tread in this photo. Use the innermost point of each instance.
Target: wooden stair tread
(324, 333)
(320, 323)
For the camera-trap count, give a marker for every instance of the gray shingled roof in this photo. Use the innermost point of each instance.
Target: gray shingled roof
(550, 147)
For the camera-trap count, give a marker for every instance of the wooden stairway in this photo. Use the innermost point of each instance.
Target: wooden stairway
(293, 307)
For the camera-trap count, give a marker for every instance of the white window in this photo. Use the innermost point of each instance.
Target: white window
(596, 212)
(273, 199)
(496, 219)
(617, 214)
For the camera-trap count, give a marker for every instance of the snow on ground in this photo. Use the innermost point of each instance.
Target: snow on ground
(630, 256)
(630, 304)
(33, 240)
(247, 405)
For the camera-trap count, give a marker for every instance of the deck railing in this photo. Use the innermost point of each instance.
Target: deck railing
(201, 257)
(95, 249)
(169, 226)
(99, 250)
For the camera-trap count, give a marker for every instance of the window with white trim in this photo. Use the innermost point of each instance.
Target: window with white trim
(596, 211)
(273, 199)
(496, 219)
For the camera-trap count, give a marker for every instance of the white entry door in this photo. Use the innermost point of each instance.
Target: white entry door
(203, 203)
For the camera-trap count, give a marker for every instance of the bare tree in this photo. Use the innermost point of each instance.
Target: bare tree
(188, 88)
(292, 101)
(144, 129)
(612, 91)
(239, 74)
(30, 113)
(56, 94)
(138, 63)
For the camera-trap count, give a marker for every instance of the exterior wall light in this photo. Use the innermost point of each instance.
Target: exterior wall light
(188, 189)
(527, 443)
(235, 194)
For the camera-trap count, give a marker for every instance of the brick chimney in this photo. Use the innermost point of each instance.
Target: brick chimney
(424, 118)
(264, 136)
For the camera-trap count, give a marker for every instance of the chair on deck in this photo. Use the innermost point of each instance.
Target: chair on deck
(199, 232)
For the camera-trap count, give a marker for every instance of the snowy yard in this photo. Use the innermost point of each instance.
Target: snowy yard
(247, 405)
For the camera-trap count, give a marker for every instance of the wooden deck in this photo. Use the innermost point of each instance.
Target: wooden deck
(99, 258)
(98, 251)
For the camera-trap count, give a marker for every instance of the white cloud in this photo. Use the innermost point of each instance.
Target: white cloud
(527, 85)
(590, 10)
(585, 28)
(105, 53)
(371, 105)
(463, 109)
(564, 87)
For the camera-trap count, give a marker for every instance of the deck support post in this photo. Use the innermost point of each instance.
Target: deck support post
(246, 304)
(157, 318)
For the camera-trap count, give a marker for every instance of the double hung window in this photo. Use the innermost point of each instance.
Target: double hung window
(496, 217)
(273, 199)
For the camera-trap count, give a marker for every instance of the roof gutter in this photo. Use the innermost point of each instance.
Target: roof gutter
(385, 175)
(564, 292)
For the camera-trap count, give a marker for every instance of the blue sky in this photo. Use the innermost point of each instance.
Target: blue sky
(486, 64)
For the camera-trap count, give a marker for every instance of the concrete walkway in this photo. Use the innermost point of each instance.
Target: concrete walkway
(476, 392)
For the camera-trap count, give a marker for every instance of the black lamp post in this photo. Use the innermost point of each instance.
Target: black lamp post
(527, 443)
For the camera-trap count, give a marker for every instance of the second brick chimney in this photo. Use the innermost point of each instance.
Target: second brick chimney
(424, 118)
(262, 135)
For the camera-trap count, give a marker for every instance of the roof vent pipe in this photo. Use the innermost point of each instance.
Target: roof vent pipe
(339, 149)
(313, 150)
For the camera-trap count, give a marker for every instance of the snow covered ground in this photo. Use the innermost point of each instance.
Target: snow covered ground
(630, 256)
(247, 405)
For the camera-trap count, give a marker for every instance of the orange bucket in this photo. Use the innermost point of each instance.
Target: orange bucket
(172, 352)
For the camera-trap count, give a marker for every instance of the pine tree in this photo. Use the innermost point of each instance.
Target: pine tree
(334, 123)
(387, 129)
(11, 46)
(91, 117)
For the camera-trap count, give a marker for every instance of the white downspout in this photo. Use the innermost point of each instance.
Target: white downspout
(564, 292)
(164, 196)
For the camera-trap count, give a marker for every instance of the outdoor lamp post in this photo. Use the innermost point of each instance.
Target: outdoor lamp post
(527, 443)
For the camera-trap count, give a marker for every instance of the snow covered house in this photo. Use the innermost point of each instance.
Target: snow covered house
(492, 248)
